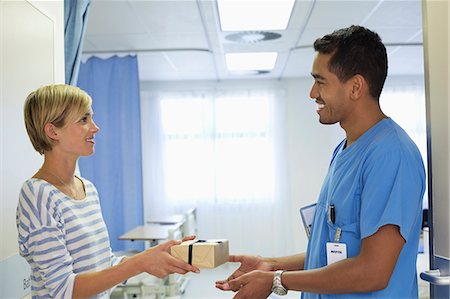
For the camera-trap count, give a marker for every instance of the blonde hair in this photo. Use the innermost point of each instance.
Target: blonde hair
(55, 104)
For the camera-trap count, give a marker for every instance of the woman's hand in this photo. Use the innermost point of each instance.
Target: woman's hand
(158, 261)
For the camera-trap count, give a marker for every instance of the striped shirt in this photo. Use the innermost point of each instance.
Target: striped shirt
(61, 237)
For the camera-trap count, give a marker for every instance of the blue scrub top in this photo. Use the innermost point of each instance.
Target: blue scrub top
(378, 180)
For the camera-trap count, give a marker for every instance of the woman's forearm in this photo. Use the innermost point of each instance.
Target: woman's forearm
(89, 284)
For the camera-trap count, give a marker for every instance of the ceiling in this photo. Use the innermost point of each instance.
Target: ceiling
(182, 40)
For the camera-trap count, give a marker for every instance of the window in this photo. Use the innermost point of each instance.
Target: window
(218, 148)
(405, 103)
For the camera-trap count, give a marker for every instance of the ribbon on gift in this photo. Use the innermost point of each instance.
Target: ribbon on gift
(191, 248)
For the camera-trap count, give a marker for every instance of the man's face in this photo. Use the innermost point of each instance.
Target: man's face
(330, 94)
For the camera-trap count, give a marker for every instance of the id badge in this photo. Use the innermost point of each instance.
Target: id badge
(336, 252)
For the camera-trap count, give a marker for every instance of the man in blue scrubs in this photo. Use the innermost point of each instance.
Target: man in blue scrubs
(365, 234)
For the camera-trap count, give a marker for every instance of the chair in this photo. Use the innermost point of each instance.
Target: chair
(145, 286)
(190, 222)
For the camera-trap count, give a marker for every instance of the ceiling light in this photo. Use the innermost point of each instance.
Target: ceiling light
(251, 61)
(254, 14)
(250, 37)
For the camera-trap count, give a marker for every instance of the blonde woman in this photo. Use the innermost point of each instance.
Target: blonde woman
(61, 232)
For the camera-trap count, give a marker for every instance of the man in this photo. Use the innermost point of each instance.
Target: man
(366, 228)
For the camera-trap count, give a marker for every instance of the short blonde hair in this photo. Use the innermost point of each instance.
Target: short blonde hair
(55, 104)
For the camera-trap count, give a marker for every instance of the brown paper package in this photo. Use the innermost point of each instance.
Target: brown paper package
(205, 253)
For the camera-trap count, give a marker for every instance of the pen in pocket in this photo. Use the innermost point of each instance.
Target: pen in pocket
(332, 213)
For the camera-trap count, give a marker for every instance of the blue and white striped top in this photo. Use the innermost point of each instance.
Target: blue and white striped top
(60, 237)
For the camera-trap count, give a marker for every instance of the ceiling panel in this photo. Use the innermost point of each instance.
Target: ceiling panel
(111, 18)
(338, 14)
(300, 63)
(176, 66)
(169, 16)
(112, 42)
(397, 14)
(146, 27)
(400, 35)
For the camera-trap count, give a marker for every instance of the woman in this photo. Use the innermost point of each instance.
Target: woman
(61, 232)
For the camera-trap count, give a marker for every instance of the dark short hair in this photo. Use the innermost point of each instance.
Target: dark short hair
(356, 50)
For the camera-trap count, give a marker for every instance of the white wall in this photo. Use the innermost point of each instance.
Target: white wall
(436, 48)
(32, 54)
(309, 144)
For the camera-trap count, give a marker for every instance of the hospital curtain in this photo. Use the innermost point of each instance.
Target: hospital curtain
(75, 20)
(222, 152)
(116, 167)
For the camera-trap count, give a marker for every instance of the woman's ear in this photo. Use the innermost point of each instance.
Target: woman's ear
(51, 131)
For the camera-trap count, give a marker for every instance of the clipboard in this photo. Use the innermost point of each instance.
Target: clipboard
(307, 214)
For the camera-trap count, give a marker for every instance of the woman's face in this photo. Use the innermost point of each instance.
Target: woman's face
(77, 137)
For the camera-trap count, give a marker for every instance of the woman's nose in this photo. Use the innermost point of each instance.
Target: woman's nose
(95, 128)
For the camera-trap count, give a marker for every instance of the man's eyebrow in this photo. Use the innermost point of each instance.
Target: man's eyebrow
(317, 76)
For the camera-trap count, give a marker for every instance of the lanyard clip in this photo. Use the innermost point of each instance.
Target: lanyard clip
(337, 236)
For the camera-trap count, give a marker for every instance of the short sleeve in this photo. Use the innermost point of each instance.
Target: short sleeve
(392, 192)
(115, 260)
(42, 242)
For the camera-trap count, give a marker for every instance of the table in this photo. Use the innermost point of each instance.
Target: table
(150, 232)
(166, 220)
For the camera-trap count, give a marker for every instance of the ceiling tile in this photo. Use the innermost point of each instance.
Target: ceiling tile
(169, 16)
(176, 66)
(156, 24)
(300, 63)
(112, 17)
(392, 14)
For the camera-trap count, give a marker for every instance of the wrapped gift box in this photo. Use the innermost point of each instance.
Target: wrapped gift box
(202, 253)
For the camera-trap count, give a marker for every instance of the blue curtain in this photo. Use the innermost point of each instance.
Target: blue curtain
(75, 20)
(116, 166)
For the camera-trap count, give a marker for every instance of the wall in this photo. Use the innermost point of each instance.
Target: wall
(436, 49)
(32, 54)
(309, 144)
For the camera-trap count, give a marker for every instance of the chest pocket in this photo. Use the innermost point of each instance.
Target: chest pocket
(349, 235)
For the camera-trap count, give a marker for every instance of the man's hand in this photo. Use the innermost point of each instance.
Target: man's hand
(248, 263)
(253, 285)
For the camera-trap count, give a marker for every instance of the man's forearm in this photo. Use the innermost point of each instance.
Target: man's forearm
(288, 263)
(370, 271)
(347, 276)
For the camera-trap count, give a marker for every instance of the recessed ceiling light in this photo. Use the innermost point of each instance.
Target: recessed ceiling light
(250, 37)
(259, 61)
(254, 14)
